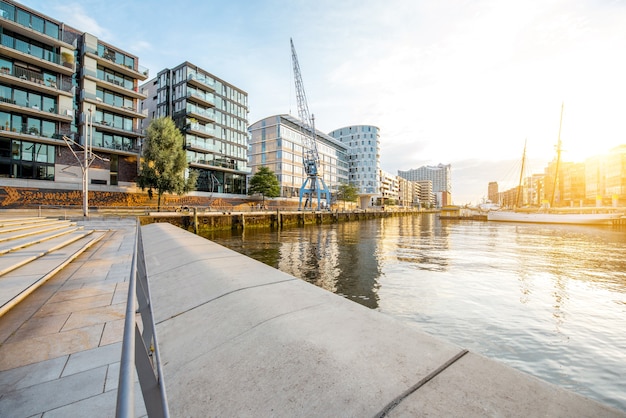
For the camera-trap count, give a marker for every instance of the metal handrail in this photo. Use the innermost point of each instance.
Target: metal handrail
(140, 351)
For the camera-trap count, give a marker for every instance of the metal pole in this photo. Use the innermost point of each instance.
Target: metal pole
(86, 169)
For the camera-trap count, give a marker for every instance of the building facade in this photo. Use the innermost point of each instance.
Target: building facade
(427, 196)
(408, 193)
(276, 143)
(58, 82)
(440, 177)
(363, 143)
(389, 189)
(212, 115)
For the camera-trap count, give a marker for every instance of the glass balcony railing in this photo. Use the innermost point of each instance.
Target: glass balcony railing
(207, 81)
(200, 111)
(30, 49)
(209, 98)
(118, 58)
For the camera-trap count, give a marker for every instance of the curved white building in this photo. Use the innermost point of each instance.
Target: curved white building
(363, 143)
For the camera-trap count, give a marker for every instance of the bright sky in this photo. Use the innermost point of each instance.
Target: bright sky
(447, 81)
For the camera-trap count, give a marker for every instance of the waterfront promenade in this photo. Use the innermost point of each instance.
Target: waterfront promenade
(239, 338)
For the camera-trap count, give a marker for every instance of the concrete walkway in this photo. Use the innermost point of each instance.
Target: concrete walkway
(60, 347)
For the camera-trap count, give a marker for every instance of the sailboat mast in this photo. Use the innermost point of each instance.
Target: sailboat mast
(558, 158)
(521, 176)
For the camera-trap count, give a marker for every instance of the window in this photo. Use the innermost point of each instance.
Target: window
(7, 10)
(52, 30)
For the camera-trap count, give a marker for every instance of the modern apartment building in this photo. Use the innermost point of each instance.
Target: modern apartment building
(427, 196)
(276, 143)
(363, 143)
(56, 82)
(408, 193)
(389, 188)
(212, 115)
(440, 176)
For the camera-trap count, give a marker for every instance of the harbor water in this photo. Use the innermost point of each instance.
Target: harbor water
(549, 300)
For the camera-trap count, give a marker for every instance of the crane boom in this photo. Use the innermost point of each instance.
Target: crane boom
(313, 184)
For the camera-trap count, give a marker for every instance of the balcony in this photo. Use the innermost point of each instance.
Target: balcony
(31, 33)
(200, 98)
(204, 115)
(34, 80)
(28, 132)
(109, 59)
(23, 51)
(202, 130)
(52, 113)
(105, 126)
(113, 85)
(125, 111)
(201, 81)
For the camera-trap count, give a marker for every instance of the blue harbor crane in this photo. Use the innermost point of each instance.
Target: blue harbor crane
(313, 185)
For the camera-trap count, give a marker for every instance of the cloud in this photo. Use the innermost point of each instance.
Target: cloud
(76, 16)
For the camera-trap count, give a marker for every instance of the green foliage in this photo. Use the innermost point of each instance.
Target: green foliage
(164, 162)
(347, 192)
(264, 182)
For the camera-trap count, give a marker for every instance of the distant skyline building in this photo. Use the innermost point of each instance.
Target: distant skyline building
(212, 115)
(276, 143)
(56, 82)
(363, 143)
(440, 176)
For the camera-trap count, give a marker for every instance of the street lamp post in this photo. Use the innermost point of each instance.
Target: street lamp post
(88, 158)
(86, 163)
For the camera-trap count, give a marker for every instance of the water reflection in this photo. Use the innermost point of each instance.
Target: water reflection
(340, 258)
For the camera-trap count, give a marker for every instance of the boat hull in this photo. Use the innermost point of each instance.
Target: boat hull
(554, 218)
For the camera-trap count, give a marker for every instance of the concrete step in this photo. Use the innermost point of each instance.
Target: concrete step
(11, 233)
(16, 244)
(20, 221)
(30, 257)
(12, 260)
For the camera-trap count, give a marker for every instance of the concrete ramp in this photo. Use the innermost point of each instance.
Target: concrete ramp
(239, 338)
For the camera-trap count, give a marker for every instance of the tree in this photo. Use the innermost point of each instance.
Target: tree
(348, 193)
(164, 162)
(265, 182)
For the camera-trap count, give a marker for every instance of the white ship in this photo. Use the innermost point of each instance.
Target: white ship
(553, 218)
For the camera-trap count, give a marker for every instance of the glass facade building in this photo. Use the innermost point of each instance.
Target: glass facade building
(212, 115)
(363, 143)
(276, 143)
(55, 82)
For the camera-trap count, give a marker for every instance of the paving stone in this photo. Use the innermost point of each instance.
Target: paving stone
(33, 374)
(50, 395)
(93, 316)
(113, 332)
(39, 326)
(104, 289)
(33, 350)
(75, 305)
(89, 359)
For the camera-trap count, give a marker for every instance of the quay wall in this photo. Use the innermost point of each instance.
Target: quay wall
(239, 338)
(199, 222)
